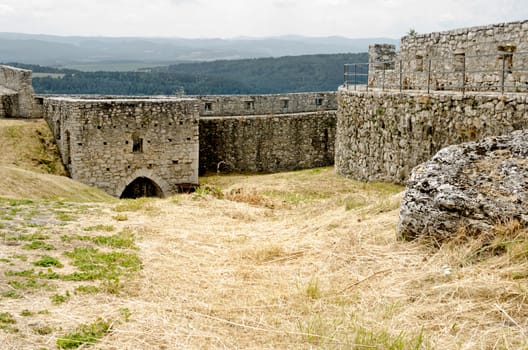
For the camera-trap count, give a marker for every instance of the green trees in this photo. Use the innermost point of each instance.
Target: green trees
(248, 76)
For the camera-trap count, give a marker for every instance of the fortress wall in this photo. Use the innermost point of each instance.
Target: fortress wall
(383, 135)
(110, 143)
(240, 105)
(19, 81)
(495, 45)
(96, 136)
(8, 103)
(267, 143)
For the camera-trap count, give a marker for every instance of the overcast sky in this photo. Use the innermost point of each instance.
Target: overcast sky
(256, 18)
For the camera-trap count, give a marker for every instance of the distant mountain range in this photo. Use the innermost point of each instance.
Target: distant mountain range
(79, 52)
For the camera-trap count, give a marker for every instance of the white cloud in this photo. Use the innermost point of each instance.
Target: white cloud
(6, 10)
(229, 18)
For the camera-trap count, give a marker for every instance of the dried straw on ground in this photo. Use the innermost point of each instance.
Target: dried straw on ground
(295, 261)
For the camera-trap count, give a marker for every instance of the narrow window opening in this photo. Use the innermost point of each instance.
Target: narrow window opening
(176, 161)
(506, 54)
(285, 104)
(460, 61)
(250, 105)
(137, 143)
(58, 129)
(67, 153)
(208, 107)
(419, 63)
(319, 101)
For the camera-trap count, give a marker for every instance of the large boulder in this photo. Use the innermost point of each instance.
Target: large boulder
(471, 186)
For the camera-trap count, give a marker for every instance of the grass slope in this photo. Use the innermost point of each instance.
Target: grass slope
(25, 184)
(295, 260)
(299, 260)
(30, 166)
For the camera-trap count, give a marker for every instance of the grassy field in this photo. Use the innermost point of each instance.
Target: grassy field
(294, 260)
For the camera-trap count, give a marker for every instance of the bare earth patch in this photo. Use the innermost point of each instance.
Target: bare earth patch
(285, 261)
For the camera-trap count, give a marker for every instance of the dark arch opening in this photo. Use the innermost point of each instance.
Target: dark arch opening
(142, 187)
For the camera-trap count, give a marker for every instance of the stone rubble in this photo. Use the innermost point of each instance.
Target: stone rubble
(472, 186)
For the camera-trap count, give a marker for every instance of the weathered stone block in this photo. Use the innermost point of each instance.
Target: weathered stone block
(472, 187)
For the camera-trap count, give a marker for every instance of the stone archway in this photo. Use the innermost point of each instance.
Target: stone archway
(149, 174)
(142, 187)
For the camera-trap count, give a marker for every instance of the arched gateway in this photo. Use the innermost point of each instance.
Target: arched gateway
(142, 187)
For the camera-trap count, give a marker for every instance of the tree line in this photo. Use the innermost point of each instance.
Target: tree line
(248, 76)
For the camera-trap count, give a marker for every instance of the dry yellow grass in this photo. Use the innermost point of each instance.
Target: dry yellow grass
(292, 268)
(285, 261)
(30, 166)
(24, 184)
(29, 144)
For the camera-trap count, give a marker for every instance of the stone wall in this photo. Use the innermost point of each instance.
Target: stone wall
(470, 58)
(267, 143)
(8, 103)
(97, 138)
(15, 81)
(242, 105)
(383, 135)
(111, 143)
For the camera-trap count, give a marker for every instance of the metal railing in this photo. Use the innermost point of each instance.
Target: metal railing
(501, 72)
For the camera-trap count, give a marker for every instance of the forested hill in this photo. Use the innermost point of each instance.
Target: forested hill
(277, 75)
(248, 76)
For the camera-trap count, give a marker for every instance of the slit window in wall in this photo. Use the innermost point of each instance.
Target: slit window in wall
(319, 101)
(58, 129)
(419, 59)
(137, 143)
(67, 151)
(285, 104)
(460, 61)
(250, 105)
(506, 54)
(208, 106)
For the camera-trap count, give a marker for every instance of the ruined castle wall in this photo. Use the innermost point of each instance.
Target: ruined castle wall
(267, 143)
(96, 137)
(383, 135)
(246, 105)
(8, 103)
(19, 81)
(470, 58)
(110, 143)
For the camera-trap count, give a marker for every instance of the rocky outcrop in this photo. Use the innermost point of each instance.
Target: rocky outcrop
(471, 186)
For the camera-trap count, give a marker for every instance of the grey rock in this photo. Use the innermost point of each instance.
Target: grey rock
(473, 186)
